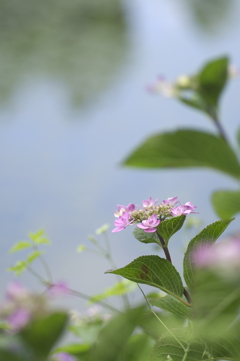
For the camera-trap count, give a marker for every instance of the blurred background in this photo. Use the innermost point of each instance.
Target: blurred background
(74, 104)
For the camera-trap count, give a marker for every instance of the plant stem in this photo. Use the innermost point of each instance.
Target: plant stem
(168, 257)
(159, 319)
(218, 125)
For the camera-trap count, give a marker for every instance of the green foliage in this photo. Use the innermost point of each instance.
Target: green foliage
(185, 148)
(138, 348)
(19, 246)
(114, 336)
(120, 288)
(39, 237)
(207, 236)
(170, 226)
(145, 237)
(226, 203)
(170, 304)
(42, 334)
(76, 349)
(212, 80)
(153, 271)
(18, 268)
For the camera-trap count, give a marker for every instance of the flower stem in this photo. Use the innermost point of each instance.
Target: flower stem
(168, 257)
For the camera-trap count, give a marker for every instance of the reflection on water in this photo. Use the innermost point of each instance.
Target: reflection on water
(78, 42)
(65, 175)
(211, 15)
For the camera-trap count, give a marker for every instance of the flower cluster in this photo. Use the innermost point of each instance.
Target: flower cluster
(149, 215)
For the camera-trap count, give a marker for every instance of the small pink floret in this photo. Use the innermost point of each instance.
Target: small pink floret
(149, 202)
(149, 225)
(122, 222)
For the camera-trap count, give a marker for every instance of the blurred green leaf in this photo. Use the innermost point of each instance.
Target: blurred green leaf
(153, 271)
(6, 355)
(194, 102)
(115, 335)
(170, 304)
(75, 349)
(207, 236)
(185, 148)
(138, 348)
(238, 136)
(120, 288)
(170, 226)
(216, 300)
(145, 237)
(18, 268)
(212, 80)
(34, 255)
(42, 334)
(19, 246)
(226, 203)
(39, 237)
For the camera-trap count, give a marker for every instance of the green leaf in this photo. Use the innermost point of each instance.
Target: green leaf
(34, 255)
(145, 237)
(114, 336)
(41, 335)
(207, 236)
(167, 228)
(167, 348)
(212, 80)
(216, 299)
(120, 288)
(185, 148)
(138, 348)
(76, 349)
(194, 102)
(153, 271)
(39, 237)
(18, 268)
(19, 246)
(226, 203)
(170, 304)
(238, 136)
(6, 355)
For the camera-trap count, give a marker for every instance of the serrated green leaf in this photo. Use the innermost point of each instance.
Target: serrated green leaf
(170, 226)
(212, 80)
(120, 288)
(145, 237)
(170, 304)
(207, 236)
(153, 271)
(167, 348)
(18, 268)
(185, 148)
(226, 203)
(34, 255)
(19, 246)
(41, 334)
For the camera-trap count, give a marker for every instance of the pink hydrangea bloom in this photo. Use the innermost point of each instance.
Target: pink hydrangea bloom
(58, 289)
(19, 318)
(183, 209)
(121, 209)
(63, 356)
(122, 222)
(225, 255)
(149, 202)
(170, 201)
(149, 225)
(15, 290)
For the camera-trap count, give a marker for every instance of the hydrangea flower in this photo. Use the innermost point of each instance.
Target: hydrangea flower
(149, 215)
(122, 222)
(149, 225)
(58, 289)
